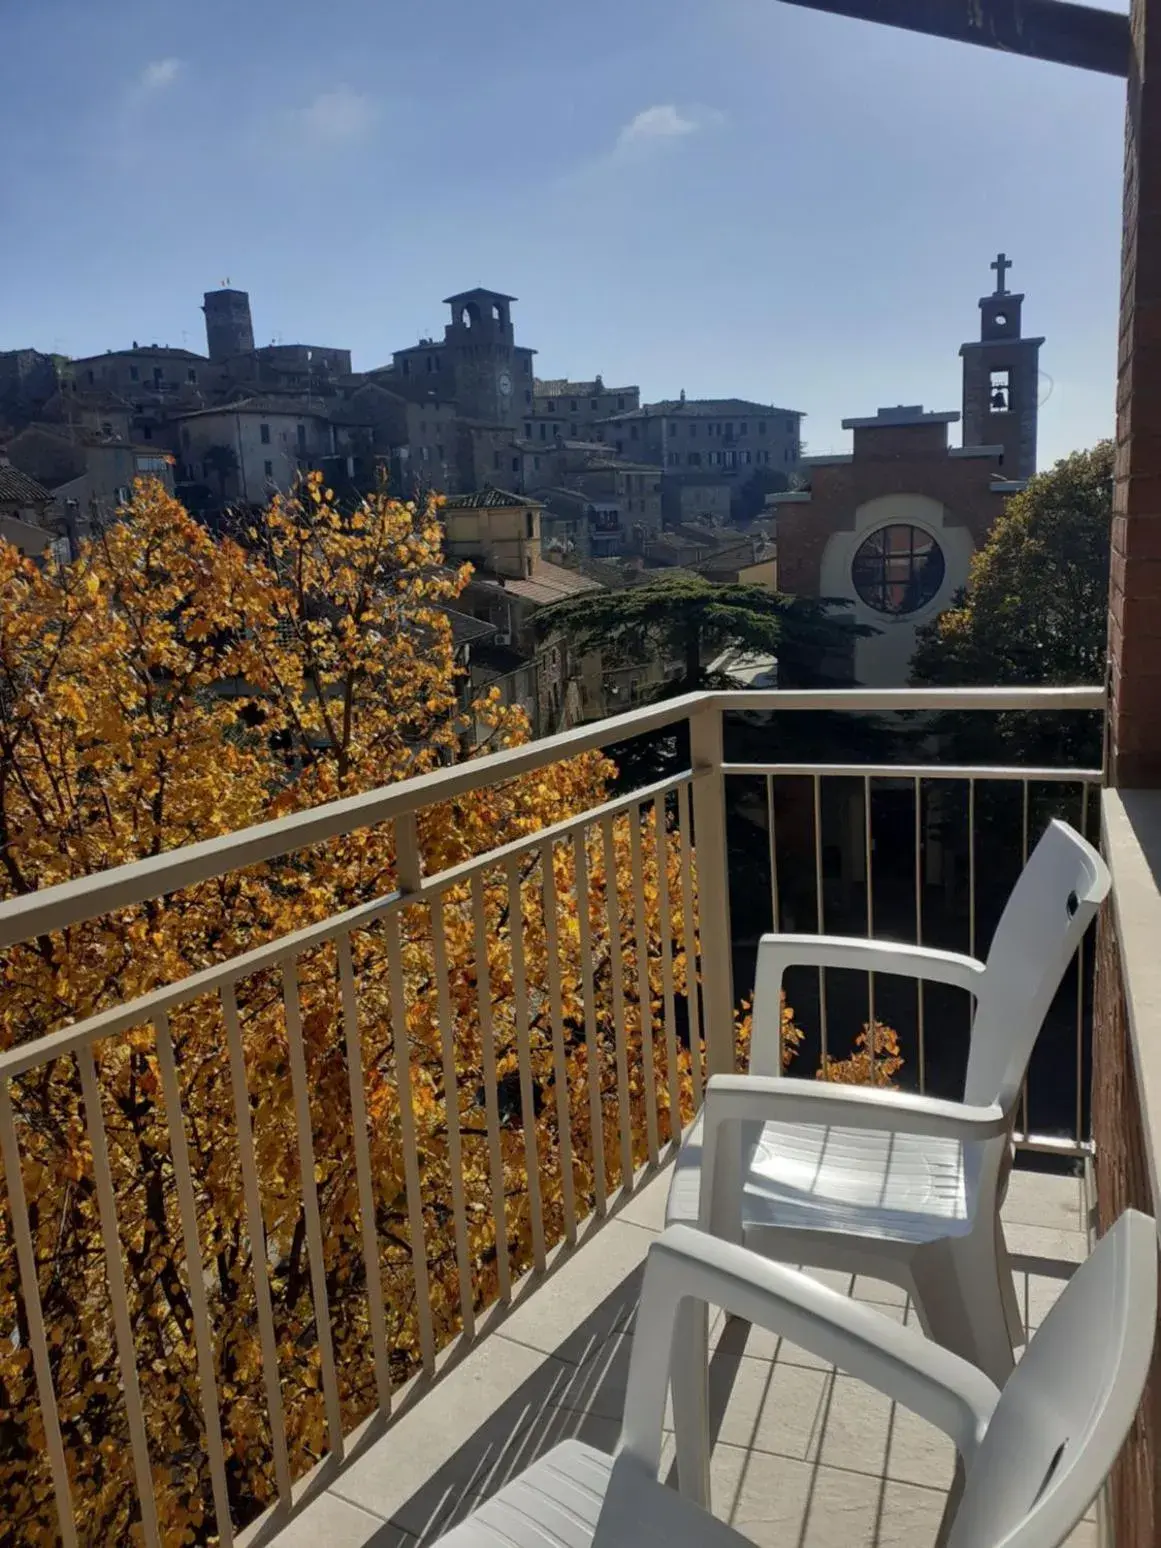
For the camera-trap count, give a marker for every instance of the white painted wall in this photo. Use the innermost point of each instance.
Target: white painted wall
(883, 660)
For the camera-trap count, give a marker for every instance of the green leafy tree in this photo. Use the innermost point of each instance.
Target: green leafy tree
(1034, 612)
(750, 496)
(688, 619)
(685, 618)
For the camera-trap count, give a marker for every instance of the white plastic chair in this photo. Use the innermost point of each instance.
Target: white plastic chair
(894, 1185)
(1032, 1457)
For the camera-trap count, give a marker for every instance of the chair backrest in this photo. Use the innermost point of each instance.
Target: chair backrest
(1067, 1407)
(1047, 913)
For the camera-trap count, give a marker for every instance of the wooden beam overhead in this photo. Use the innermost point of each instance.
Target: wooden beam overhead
(1056, 30)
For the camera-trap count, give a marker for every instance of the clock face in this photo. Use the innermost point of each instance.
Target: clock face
(505, 383)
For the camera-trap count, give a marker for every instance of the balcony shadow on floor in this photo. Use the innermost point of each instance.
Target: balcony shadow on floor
(576, 1391)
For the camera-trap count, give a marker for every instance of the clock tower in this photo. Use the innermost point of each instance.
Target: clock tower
(492, 376)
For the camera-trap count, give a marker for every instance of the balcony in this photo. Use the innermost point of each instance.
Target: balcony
(443, 1290)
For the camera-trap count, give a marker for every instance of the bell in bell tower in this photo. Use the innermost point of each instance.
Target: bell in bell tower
(1001, 374)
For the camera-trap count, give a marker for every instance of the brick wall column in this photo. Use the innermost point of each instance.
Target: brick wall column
(1135, 581)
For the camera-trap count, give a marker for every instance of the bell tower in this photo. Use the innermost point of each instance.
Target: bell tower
(492, 374)
(1001, 380)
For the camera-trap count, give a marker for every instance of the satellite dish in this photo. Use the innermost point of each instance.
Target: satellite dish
(1044, 386)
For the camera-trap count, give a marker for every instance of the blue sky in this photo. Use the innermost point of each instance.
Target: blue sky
(727, 196)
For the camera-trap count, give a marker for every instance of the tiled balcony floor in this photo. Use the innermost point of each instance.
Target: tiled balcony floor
(804, 1457)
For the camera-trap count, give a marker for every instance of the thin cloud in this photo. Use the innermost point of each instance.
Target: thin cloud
(661, 125)
(159, 74)
(338, 117)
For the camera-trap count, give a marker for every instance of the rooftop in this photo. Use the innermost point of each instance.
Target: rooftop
(143, 349)
(16, 488)
(297, 407)
(620, 465)
(551, 583)
(478, 294)
(488, 500)
(903, 414)
(677, 408)
(559, 387)
(467, 630)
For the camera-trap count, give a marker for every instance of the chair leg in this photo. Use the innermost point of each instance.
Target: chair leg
(959, 1289)
(951, 1504)
(1012, 1313)
(689, 1384)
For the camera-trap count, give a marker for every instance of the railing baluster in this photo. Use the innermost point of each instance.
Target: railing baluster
(972, 867)
(661, 839)
(1079, 1135)
(34, 1313)
(617, 973)
(709, 821)
(451, 1097)
(256, 1229)
(592, 1047)
(491, 1095)
(118, 1294)
(820, 907)
(362, 1148)
(870, 918)
(524, 1060)
(1023, 863)
(559, 1061)
(300, 1086)
(774, 916)
(919, 986)
(690, 930)
(401, 1044)
(203, 1339)
(644, 991)
(971, 887)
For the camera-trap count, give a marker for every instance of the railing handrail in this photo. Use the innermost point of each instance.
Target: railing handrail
(90, 897)
(913, 771)
(22, 1057)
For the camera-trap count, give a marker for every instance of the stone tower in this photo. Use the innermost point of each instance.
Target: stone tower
(1001, 381)
(492, 376)
(229, 330)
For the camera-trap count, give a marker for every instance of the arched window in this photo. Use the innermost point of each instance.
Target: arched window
(898, 569)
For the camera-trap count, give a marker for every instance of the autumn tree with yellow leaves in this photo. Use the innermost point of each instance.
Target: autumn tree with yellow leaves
(169, 686)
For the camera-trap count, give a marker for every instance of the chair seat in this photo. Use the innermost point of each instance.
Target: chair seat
(574, 1494)
(867, 1182)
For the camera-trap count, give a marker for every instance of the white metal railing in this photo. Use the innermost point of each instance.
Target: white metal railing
(1068, 1135)
(553, 967)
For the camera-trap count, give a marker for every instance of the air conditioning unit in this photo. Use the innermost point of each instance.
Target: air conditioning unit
(502, 637)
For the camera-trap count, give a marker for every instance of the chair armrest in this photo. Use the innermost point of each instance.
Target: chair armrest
(778, 952)
(783, 1099)
(686, 1264)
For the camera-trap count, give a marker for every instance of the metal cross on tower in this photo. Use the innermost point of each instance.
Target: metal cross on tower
(1001, 263)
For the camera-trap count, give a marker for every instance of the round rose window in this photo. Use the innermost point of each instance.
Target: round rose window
(898, 569)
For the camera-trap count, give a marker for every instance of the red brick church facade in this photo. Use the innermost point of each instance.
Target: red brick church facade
(891, 526)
